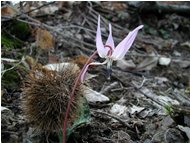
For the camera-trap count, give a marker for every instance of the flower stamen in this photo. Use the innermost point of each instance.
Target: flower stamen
(110, 50)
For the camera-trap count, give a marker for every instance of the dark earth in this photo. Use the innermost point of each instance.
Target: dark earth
(149, 90)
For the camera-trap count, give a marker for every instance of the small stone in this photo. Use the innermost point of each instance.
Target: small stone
(119, 110)
(167, 122)
(177, 54)
(164, 61)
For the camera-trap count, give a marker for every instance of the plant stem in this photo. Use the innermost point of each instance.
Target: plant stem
(77, 81)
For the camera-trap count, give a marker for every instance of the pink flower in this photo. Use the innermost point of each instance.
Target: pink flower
(109, 51)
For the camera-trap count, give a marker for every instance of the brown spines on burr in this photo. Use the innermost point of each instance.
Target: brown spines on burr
(46, 95)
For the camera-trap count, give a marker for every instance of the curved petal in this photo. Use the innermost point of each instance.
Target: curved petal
(110, 41)
(125, 44)
(86, 68)
(102, 52)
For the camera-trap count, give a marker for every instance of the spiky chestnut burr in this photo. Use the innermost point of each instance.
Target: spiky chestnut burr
(46, 95)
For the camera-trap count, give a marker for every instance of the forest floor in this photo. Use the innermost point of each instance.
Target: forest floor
(149, 90)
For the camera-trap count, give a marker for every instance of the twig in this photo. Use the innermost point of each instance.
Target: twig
(179, 97)
(88, 21)
(141, 85)
(30, 23)
(181, 109)
(27, 19)
(182, 99)
(81, 26)
(3, 72)
(161, 7)
(39, 24)
(14, 37)
(137, 88)
(105, 90)
(123, 122)
(46, 4)
(9, 60)
(115, 26)
(142, 92)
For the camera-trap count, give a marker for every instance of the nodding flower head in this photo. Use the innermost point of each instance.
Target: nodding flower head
(108, 50)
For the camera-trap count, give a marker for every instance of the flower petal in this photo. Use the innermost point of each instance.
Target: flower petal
(125, 44)
(86, 68)
(102, 52)
(110, 41)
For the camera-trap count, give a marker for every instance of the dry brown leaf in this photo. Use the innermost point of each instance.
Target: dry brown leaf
(31, 63)
(114, 5)
(30, 60)
(8, 10)
(80, 60)
(44, 39)
(27, 6)
(53, 58)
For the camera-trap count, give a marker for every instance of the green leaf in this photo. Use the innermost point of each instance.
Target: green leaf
(20, 30)
(9, 42)
(168, 109)
(164, 33)
(10, 80)
(83, 113)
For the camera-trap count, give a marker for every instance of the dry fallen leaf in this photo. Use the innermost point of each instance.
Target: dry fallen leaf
(44, 39)
(159, 43)
(126, 64)
(94, 96)
(148, 63)
(61, 66)
(187, 44)
(135, 109)
(53, 58)
(118, 6)
(30, 63)
(80, 60)
(8, 11)
(119, 110)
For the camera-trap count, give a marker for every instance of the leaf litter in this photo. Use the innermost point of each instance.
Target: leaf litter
(147, 97)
